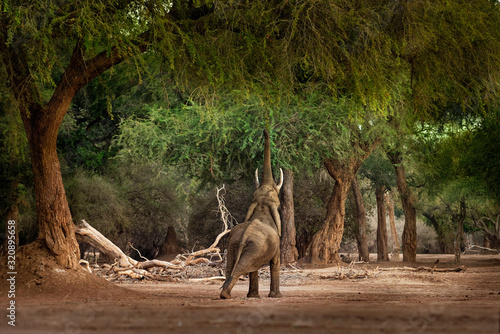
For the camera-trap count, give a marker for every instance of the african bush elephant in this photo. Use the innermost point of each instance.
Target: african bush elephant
(256, 241)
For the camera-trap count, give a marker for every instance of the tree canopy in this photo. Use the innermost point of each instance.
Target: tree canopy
(326, 76)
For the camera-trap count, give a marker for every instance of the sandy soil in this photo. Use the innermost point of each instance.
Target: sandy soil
(387, 302)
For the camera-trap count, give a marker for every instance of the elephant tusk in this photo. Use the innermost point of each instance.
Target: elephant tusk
(257, 183)
(281, 180)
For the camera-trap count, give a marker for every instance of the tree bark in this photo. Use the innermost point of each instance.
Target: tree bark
(41, 123)
(382, 254)
(409, 238)
(363, 253)
(395, 238)
(326, 242)
(459, 219)
(289, 252)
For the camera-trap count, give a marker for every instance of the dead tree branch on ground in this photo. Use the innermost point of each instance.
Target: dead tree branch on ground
(125, 265)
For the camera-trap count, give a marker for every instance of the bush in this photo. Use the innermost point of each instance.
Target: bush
(154, 204)
(96, 199)
(130, 204)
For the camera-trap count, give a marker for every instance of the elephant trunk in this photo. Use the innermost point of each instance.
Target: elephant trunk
(268, 173)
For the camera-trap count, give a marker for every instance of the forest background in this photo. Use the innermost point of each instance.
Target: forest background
(385, 97)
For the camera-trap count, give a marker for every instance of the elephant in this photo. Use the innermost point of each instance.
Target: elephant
(256, 242)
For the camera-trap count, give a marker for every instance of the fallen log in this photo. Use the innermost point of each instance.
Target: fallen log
(85, 232)
(429, 269)
(157, 263)
(441, 270)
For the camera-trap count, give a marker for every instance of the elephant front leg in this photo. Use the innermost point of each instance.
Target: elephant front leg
(275, 277)
(253, 291)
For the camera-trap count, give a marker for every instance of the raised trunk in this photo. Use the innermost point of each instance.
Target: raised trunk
(267, 177)
(409, 238)
(364, 255)
(395, 238)
(382, 254)
(289, 251)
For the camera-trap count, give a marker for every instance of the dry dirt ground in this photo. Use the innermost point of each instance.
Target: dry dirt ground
(392, 301)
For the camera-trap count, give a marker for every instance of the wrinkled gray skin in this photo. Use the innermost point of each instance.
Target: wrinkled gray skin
(256, 242)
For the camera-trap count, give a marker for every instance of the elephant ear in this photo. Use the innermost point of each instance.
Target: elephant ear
(276, 217)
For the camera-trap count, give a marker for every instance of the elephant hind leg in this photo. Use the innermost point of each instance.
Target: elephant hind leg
(275, 276)
(227, 287)
(253, 291)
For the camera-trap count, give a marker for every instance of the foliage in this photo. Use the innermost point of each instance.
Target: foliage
(323, 76)
(448, 48)
(379, 170)
(449, 161)
(141, 203)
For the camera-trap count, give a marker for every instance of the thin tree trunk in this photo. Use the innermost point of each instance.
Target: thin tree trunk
(395, 238)
(382, 254)
(364, 255)
(409, 238)
(460, 231)
(289, 252)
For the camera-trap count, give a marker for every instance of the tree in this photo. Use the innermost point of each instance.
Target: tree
(353, 144)
(51, 50)
(288, 249)
(446, 154)
(378, 170)
(409, 238)
(389, 201)
(448, 48)
(364, 254)
(54, 49)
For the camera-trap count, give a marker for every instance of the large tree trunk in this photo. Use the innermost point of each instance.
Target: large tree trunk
(54, 218)
(409, 238)
(288, 247)
(326, 242)
(382, 254)
(363, 253)
(395, 238)
(41, 123)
